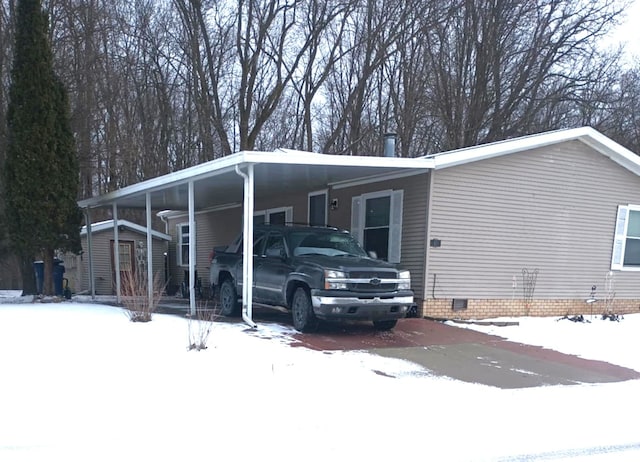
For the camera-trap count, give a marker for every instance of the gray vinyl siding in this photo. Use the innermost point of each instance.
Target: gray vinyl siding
(221, 227)
(551, 209)
(414, 220)
(212, 229)
(77, 267)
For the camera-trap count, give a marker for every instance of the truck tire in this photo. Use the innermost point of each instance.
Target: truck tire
(385, 325)
(304, 319)
(229, 305)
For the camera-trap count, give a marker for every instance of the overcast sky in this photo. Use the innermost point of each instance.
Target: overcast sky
(629, 31)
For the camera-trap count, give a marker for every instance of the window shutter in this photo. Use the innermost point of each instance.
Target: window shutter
(395, 227)
(288, 215)
(356, 218)
(619, 237)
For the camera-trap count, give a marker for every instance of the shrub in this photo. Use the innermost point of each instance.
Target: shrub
(200, 327)
(135, 295)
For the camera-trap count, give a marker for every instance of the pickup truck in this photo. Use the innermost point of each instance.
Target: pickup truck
(317, 273)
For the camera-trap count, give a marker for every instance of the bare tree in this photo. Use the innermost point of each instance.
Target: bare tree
(498, 65)
(160, 86)
(208, 56)
(369, 39)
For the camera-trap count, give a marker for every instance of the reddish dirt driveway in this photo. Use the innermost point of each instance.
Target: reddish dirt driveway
(450, 351)
(467, 355)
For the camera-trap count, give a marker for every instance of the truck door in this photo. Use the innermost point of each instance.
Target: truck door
(271, 270)
(258, 245)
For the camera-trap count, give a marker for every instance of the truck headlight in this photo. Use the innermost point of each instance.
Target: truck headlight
(334, 280)
(404, 282)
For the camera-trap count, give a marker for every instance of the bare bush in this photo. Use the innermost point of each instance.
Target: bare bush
(200, 326)
(139, 306)
(529, 279)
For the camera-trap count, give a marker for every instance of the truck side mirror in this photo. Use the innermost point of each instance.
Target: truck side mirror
(373, 254)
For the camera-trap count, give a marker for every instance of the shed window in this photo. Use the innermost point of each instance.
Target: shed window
(626, 244)
(124, 256)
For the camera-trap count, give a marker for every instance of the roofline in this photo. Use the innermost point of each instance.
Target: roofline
(587, 135)
(108, 224)
(228, 163)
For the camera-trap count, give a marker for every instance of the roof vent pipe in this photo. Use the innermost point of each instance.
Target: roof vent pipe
(389, 145)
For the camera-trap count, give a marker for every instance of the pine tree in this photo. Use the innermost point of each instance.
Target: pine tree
(41, 168)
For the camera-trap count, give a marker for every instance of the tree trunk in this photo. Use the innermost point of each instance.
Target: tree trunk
(47, 286)
(28, 275)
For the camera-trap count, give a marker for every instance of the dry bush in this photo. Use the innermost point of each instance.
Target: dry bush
(135, 296)
(200, 326)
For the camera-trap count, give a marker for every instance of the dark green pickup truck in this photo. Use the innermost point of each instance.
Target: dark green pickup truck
(316, 273)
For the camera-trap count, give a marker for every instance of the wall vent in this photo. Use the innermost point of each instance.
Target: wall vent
(459, 304)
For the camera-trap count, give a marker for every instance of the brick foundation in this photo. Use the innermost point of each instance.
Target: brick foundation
(482, 309)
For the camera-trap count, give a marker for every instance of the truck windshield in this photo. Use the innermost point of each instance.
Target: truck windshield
(331, 244)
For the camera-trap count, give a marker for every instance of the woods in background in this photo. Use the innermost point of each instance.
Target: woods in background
(157, 86)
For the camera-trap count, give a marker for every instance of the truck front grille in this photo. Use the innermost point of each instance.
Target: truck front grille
(369, 276)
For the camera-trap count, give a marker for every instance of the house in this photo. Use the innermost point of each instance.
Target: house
(524, 226)
(132, 256)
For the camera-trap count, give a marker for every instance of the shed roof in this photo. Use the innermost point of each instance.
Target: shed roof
(108, 225)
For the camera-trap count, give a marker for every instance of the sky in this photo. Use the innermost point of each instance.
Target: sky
(628, 31)
(81, 382)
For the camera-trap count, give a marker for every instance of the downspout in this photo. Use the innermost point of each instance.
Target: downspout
(116, 254)
(247, 246)
(92, 282)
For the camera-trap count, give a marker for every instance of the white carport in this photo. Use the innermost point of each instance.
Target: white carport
(237, 179)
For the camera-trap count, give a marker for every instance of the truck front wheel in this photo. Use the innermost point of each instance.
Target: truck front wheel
(229, 305)
(303, 318)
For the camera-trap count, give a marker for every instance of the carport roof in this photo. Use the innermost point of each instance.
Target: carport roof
(216, 182)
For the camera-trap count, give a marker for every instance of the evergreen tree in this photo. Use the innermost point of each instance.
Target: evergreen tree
(41, 168)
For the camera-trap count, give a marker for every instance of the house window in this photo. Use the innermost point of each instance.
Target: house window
(318, 208)
(376, 221)
(626, 243)
(277, 216)
(182, 251)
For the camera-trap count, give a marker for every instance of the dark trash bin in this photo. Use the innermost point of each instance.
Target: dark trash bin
(58, 272)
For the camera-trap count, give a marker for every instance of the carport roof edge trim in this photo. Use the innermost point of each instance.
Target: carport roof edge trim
(242, 158)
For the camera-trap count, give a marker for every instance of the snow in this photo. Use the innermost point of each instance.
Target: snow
(80, 382)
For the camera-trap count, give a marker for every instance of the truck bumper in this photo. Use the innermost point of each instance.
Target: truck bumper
(370, 308)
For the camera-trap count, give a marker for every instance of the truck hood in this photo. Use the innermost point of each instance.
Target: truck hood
(343, 263)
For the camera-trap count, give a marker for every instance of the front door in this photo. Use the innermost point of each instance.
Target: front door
(126, 254)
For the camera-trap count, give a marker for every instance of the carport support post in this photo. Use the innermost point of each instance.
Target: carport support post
(150, 287)
(92, 284)
(116, 253)
(192, 251)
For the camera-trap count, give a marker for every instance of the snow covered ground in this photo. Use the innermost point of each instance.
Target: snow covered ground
(79, 382)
